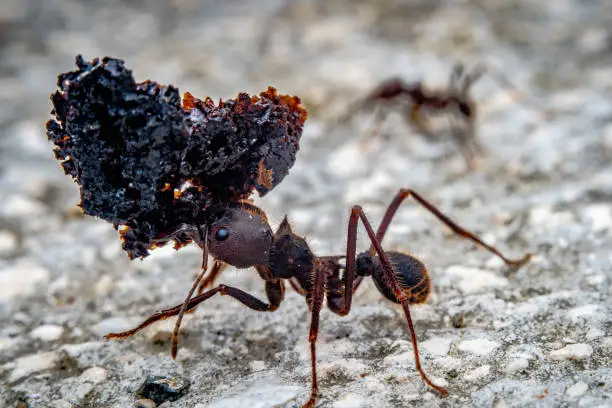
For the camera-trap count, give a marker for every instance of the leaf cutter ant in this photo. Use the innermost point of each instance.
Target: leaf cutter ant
(242, 237)
(97, 126)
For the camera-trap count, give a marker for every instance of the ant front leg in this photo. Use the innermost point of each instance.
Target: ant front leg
(457, 229)
(274, 292)
(217, 268)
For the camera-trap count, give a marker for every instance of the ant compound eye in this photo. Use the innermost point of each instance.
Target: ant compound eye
(222, 234)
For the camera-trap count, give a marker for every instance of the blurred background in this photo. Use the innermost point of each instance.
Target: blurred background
(540, 336)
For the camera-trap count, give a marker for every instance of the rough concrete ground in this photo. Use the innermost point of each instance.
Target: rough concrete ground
(540, 336)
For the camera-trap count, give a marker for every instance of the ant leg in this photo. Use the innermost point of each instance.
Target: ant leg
(456, 74)
(471, 78)
(417, 119)
(217, 269)
(245, 298)
(463, 134)
(296, 286)
(405, 193)
(390, 279)
(315, 301)
(179, 319)
(380, 114)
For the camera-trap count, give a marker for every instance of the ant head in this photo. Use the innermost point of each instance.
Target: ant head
(290, 255)
(240, 236)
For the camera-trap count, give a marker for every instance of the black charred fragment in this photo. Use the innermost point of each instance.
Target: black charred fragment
(161, 389)
(150, 163)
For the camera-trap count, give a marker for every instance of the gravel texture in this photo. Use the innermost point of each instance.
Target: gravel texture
(538, 336)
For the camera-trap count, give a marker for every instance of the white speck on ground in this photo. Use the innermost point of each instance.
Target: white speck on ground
(47, 332)
(572, 352)
(480, 347)
(516, 365)
(26, 366)
(262, 393)
(576, 390)
(478, 373)
(22, 279)
(94, 375)
(473, 280)
(8, 243)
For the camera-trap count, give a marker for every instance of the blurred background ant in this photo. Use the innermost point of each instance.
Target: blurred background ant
(420, 107)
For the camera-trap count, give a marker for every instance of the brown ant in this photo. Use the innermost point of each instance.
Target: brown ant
(417, 105)
(164, 169)
(240, 235)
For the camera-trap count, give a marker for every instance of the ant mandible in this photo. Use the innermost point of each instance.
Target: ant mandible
(241, 236)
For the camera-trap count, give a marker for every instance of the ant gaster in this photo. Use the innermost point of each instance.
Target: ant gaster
(241, 236)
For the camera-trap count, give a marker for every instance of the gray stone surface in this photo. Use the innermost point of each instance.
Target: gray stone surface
(540, 336)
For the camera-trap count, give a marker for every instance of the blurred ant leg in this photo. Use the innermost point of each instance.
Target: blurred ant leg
(316, 295)
(470, 78)
(417, 119)
(390, 279)
(375, 130)
(246, 299)
(405, 193)
(462, 134)
(456, 75)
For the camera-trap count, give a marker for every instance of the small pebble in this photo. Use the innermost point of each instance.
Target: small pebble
(8, 243)
(161, 389)
(481, 347)
(113, 325)
(104, 286)
(265, 392)
(82, 390)
(577, 351)
(474, 280)
(349, 401)
(22, 279)
(20, 206)
(346, 367)
(576, 390)
(598, 216)
(438, 346)
(586, 312)
(257, 365)
(144, 403)
(594, 334)
(516, 365)
(32, 364)
(478, 373)
(94, 375)
(47, 332)
(83, 354)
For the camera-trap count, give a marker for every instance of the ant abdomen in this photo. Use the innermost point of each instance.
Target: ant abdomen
(410, 272)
